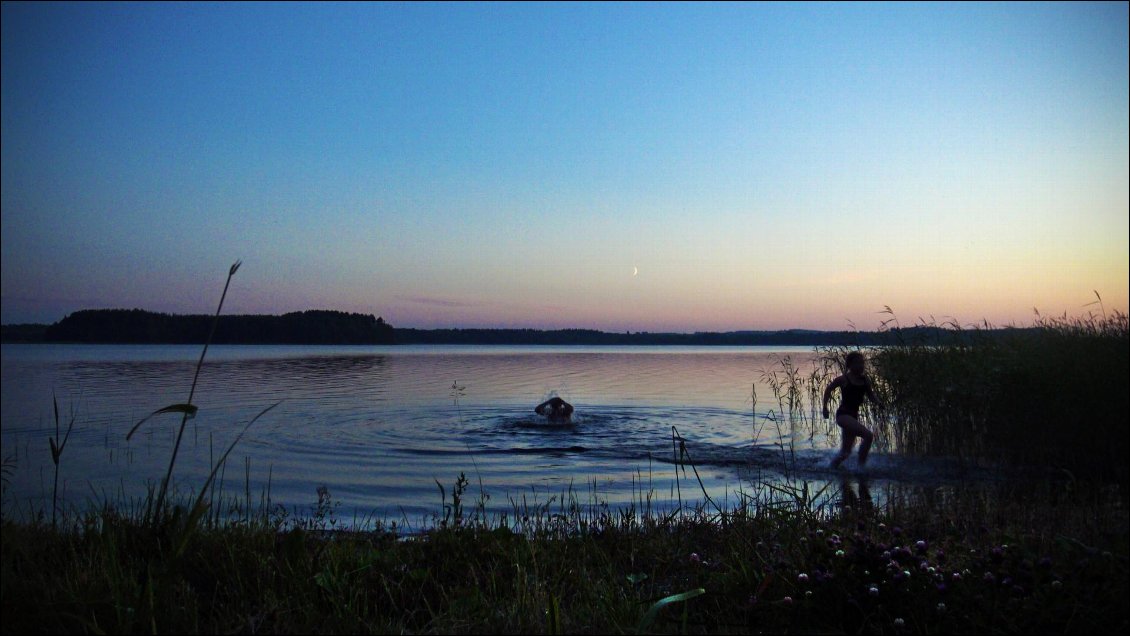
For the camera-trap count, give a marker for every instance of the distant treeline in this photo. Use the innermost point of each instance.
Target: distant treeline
(791, 337)
(22, 333)
(335, 327)
(135, 326)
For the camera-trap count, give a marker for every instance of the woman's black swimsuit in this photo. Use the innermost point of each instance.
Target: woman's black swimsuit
(851, 397)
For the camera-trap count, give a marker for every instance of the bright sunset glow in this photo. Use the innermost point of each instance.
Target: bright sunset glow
(621, 167)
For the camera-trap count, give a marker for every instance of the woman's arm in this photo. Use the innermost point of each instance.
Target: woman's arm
(828, 393)
(871, 395)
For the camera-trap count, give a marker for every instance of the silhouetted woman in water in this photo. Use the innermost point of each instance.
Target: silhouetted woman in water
(854, 386)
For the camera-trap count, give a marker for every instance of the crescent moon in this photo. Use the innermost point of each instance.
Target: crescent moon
(635, 270)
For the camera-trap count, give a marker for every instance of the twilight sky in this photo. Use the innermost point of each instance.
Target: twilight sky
(643, 167)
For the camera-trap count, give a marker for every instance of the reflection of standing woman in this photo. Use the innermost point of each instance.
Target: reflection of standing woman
(862, 501)
(854, 386)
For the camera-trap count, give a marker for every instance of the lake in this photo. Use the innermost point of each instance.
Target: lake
(378, 426)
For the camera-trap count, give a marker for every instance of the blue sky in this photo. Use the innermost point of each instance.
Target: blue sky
(644, 167)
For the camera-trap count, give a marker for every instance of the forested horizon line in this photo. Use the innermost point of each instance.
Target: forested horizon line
(319, 326)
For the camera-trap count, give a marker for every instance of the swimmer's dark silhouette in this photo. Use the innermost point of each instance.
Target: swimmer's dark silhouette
(556, 409)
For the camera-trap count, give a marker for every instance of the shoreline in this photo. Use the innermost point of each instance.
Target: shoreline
(1008, 563)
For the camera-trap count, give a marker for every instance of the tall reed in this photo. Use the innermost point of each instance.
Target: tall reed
(187, 409)
(57, 445)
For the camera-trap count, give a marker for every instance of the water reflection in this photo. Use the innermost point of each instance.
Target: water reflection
(857, 501)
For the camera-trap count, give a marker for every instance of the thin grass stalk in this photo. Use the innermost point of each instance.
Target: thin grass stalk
(247, 489)
(56, 455)
(192, 391)
(684, 453)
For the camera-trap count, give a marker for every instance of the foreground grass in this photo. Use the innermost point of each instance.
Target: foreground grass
(1048, 559)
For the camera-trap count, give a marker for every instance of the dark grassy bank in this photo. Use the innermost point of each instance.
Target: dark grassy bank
(1045, 558)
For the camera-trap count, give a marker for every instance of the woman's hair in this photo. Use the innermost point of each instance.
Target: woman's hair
(852, 358)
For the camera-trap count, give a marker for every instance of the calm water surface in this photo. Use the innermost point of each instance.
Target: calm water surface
(377, 426)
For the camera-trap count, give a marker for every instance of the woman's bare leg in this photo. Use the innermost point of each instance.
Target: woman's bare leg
(848, 440)
(851, 426)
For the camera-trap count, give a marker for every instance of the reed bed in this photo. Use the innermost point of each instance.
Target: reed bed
(1052, 395)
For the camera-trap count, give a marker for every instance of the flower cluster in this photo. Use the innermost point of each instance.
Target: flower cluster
(887, 571)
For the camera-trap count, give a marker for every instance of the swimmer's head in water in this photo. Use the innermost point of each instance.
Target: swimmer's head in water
(554, 408)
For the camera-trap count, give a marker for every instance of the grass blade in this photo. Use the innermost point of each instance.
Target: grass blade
(200, 506)
(653, 611)
(192, 391)
(189, 411)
